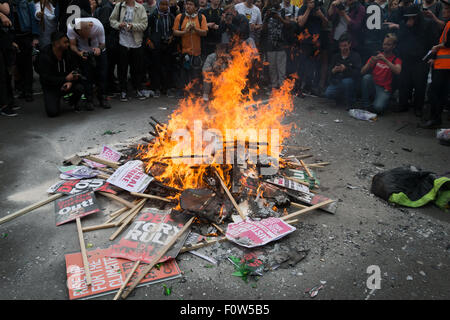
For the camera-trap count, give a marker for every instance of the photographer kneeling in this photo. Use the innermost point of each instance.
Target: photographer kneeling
(56, 67)
(87, 40)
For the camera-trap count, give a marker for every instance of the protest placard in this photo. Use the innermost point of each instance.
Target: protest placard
(148, 234)
(131, 177)
(77, 186)
(75, 206)
(289, 184)
(108, 274)
(258, 233)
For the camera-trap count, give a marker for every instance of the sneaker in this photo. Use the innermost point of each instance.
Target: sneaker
(157, 94)
(8, 111)
(15, 107)
(205, 97)
(123, 97)
(140, 95)
(83, 97)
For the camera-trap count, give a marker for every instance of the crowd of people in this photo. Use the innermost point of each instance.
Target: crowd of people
(376, 55)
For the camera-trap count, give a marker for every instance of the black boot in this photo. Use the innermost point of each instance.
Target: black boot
(431, 118)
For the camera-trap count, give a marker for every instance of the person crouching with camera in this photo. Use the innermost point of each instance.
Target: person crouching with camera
(57, 67)
(87, 40)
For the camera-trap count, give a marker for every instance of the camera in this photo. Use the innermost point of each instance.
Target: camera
(77, 72)
(90, 58)
(340, 6)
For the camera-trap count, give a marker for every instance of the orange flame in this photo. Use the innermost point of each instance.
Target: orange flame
(230, 109)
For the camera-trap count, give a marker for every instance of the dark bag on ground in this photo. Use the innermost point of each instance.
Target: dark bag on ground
(412, 187)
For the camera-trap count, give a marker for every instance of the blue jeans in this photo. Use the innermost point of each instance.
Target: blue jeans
(342, 89)
(369, 88)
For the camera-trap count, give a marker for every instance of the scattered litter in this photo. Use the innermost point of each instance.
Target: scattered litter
(362, 115)
(338, 121)
(167, 290)
(313, 292)
(109, 132)
(407, 149)
(409, 278)
(198, 254)
(443, 135)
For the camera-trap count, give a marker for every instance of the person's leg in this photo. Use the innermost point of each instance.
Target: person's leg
(137, 66)
(3, 80)
(24, 64)
(404, 87)
(272, 59)
(156, 67)
(433, 112)
(101, 79)
(281, 66)
(419, 78)
(123, 69)
(381, 101)
(52, 98)
(348, 86)
(367, 89)
(333, 91)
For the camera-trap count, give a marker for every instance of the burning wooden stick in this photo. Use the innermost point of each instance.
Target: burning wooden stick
(224, 186)
(111, 164)
(136, 265)
(156, 258)
(30, 208)
(150, 196)
(83, 253)
(306, 169)
(316, 206)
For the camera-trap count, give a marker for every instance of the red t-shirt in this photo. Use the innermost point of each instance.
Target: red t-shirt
(382, 75)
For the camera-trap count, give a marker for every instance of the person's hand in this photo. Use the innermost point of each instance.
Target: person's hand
(81, 54)
(210, 25)
(16, 47)
(35, 43)
(129, 26)
(429, 14)
(435, 48)
(70, 77)
(66, 86)
(39, 15)
(380, 56)
(336, 69)
(5, 21)
(97, 51)
(122, 25)
(431, 62)
(391, 25)
(343, 68)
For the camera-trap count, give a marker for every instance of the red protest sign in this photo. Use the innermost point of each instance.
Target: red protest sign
(76, 206)
(109, 273)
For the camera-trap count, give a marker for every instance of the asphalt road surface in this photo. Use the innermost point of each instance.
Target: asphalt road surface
(411, 247)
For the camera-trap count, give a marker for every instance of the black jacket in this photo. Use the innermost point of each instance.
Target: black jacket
(102, 14)
(352, 66)
(159, 28)
(52, 72)
(415, 42)
(239, 26)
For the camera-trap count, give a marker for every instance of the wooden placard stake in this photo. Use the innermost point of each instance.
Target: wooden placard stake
(156, 258)
(136, 265)
(150, 196)
(224, 186)
(87, 272)
(30, 208)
